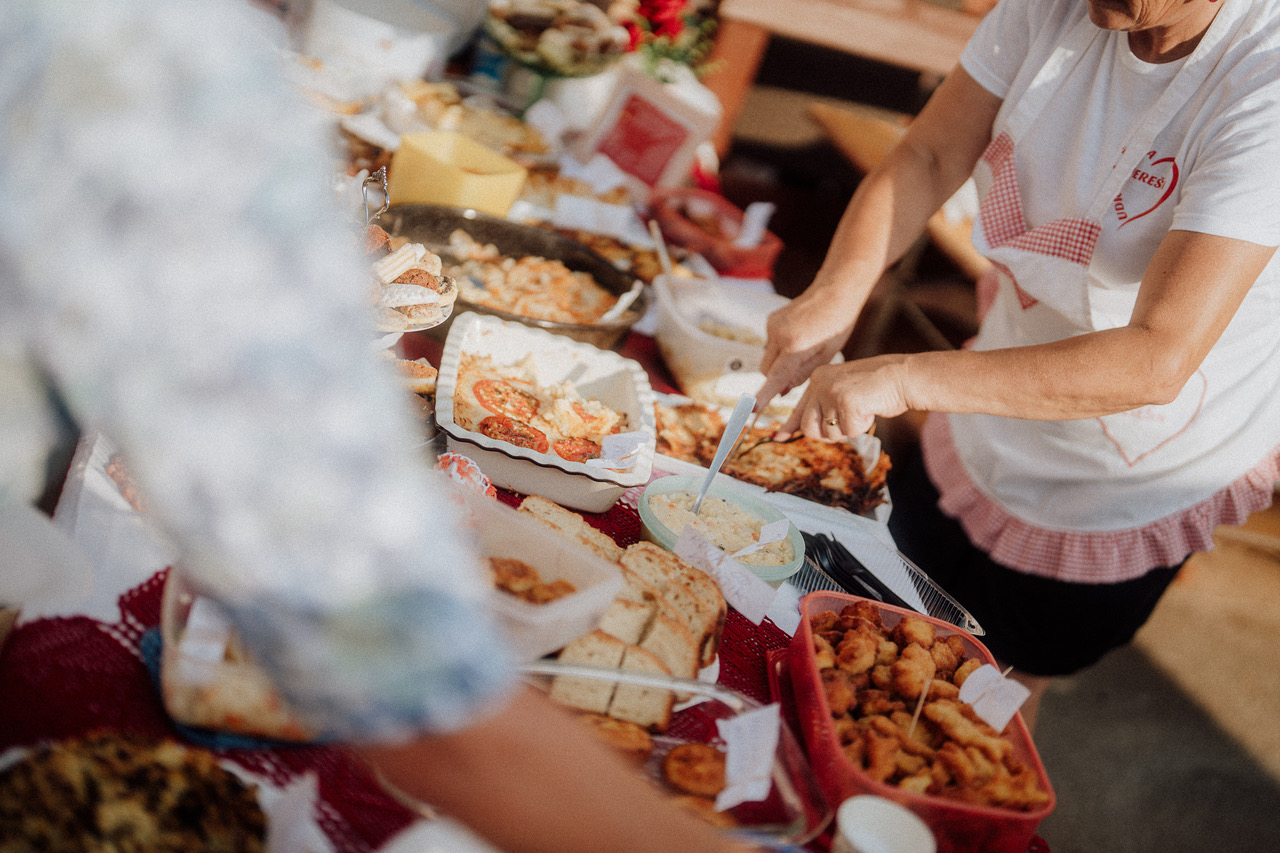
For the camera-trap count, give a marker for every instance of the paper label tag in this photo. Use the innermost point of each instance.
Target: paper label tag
(547, 118)
(587, 214)
(207, 632)
(746, 592)
(774, 531)
(755, 221)
(601, 173)
(751, 742)
(619, 451)
(993, 697)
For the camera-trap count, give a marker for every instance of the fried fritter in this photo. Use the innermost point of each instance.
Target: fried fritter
(695, 768)
(905, 725)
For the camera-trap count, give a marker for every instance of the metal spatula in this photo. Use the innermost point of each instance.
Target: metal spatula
(728, 441)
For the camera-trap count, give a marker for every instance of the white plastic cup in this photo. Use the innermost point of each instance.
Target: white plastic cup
(871, 824)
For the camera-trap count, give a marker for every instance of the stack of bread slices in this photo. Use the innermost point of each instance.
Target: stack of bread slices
(667, 619)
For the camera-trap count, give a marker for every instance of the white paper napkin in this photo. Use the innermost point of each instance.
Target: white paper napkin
(751, 741)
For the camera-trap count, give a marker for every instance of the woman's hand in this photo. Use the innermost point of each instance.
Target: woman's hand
(802, 335)
(845, 399)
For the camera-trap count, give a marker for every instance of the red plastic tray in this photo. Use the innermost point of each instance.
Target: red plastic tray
(959, 827)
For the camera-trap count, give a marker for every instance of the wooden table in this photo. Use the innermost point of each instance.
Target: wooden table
(922, 35)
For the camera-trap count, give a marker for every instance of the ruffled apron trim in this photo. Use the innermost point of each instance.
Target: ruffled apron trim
(1087, 556)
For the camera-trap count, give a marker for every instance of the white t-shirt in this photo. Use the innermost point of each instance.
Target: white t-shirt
(1071, 252)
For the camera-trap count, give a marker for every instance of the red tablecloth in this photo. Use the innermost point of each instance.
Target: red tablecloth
(64, 677)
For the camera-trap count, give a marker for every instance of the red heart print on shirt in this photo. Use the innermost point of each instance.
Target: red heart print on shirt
(1151, 184)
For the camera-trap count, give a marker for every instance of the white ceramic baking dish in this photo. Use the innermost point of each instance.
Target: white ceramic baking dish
(603, 375)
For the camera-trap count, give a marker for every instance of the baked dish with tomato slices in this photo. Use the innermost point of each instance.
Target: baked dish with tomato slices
(542, 414)
(832, 473)
(505, 403)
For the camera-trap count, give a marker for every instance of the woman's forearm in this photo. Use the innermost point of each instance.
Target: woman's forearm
(532, 780)
(1192, 289)
(893, 203)
(1081, 377)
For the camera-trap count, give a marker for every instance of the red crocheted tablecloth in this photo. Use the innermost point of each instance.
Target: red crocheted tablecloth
(61, 678)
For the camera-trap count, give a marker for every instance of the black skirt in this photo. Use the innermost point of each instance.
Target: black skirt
(1038, 625)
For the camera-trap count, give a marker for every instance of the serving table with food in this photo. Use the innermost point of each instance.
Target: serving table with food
(760, 664)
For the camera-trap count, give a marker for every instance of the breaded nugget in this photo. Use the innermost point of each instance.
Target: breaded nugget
(913, 629)
(872, 702)
(822, 622)
(940, 688)
(886, 652)
(857, 652)
(963, 670)
(840, 693)
(823, 652)
(632, 740)
(951, 718)
(880, 755)
(912, 672)
(694, 768)
(863, 610)
(945, 659)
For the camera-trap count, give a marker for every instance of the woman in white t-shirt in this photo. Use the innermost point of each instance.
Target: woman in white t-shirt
(1122, 397)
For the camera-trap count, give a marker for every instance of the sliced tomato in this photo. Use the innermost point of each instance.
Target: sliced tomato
(503, 398)
(581, 411)
(576, 449)
(512, 431)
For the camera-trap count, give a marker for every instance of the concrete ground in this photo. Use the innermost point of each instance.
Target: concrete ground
(1171, 745)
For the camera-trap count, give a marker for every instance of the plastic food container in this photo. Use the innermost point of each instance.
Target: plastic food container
(698, 359)
(794, 811)
(658, 533)
(442, 167)
(603, 375)
(207, 679)
(707, 223)
(959, 827)
(711, 336)
(534, 630)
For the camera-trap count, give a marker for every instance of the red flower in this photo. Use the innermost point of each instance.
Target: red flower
(635, 35)
(665, 17)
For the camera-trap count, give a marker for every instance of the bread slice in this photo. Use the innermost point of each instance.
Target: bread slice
(596, 649)
(692, 592)
(636, 588)
(646, 706)
(673, 644)
(657, 628)
(572, 525)
(628, 620)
